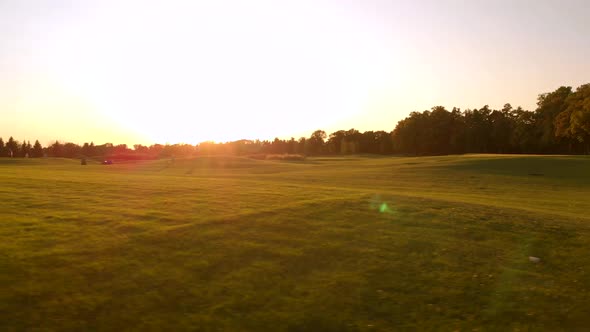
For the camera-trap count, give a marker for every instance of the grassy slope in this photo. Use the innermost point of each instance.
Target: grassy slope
(330, 244)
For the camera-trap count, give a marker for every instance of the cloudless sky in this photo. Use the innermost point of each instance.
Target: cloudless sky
(188, 71)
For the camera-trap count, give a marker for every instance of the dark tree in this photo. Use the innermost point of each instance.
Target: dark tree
(56, 150)
(549, 106)
(85, 149)
(501, 129)
(316, 142)
(25, 150)
(579, 108)
(523, 137)
(71, 150)
(334, 144)
(37, 150)
(12, 147)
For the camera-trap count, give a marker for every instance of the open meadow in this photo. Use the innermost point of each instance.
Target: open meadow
(325, 244)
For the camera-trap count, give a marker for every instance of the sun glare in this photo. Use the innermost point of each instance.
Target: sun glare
(192, 79)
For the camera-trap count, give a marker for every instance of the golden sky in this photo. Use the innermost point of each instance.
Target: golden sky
(188, 71)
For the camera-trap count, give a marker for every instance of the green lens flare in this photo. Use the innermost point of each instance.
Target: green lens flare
(376, 203)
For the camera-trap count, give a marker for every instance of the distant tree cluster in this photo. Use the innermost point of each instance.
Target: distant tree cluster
(560, 124)
(108, 150)
(13, 148)
(340, 142)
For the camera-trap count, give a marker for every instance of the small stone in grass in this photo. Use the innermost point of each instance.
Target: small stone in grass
(534, 259)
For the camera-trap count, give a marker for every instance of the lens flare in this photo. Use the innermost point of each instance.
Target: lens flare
(376, 203)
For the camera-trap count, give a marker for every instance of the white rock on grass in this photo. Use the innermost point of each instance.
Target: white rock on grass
(534, 259)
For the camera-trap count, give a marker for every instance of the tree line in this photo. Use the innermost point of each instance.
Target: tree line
(560, 124)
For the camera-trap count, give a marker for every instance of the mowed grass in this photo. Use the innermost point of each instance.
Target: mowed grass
(327, 244)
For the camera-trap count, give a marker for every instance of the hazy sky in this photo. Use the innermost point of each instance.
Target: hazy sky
(187, 71)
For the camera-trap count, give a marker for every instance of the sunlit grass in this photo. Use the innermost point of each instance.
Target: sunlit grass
(325, 244)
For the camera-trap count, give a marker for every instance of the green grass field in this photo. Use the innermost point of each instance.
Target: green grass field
(327, 244)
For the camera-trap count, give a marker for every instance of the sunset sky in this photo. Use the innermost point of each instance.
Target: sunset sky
(188, 71)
